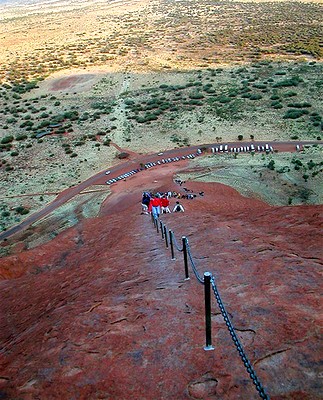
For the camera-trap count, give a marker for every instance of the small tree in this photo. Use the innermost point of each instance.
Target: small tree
(240, 137)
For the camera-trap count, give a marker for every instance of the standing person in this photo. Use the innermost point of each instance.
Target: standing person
(178, 207)
(164, 205)
(145, 202)
(155, 203)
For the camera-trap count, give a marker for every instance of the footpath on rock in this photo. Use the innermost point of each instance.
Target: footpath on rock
(101, 311)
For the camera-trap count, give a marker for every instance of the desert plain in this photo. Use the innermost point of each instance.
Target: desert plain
(93, 307)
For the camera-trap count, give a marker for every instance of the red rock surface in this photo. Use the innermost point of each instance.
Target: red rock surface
(102, 312)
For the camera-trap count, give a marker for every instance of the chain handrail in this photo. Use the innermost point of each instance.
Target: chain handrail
(237, 343)
(198, 277)
(261, 391)
(176, 244)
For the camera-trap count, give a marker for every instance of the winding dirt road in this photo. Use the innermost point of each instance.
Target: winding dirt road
(101, 178)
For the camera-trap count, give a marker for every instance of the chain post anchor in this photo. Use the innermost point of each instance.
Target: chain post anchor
(184, 241)
(207, 295)
(171, 244)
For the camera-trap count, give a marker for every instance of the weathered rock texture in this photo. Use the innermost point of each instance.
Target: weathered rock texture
(102, 312)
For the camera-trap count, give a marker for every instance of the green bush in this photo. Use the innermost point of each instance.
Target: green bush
(271, 165)
(299, 105)
(223, 99)
(21, 137)
(294, 81)
(276, 105)
(294, 113)
(7, 139)
(21, 210)
(290, 94)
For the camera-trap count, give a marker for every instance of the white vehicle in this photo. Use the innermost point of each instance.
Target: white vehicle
(160, 154)
(226, 148)
(107, 172)
(252, 147)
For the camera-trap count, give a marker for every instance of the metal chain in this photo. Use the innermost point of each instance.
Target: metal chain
(228, 323)
(201, 280)
(238, 345)
(176, 244)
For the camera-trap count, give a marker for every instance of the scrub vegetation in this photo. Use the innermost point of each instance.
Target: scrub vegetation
(247, 71)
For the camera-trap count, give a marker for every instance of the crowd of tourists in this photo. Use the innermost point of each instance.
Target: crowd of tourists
(158, 203)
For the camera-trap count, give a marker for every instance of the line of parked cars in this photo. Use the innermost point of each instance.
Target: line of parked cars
(150, 165)
(168, 160)
(122, 176)
(225, 149)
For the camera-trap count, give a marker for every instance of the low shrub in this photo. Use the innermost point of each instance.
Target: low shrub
(299, 105)
(294, 113)
(21, 210)
(7, 139)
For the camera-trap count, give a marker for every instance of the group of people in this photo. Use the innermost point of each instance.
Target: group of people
(158, 203)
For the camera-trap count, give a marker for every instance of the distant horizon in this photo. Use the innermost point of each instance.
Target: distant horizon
(32, 4)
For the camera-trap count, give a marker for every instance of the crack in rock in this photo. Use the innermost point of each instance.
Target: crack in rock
(204, 387)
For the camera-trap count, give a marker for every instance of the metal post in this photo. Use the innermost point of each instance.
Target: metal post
(184, 241)
(207, 295)
(171, 244)
(162, 228)
(165, 234)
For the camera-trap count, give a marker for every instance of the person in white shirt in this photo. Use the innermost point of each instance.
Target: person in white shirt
(178, 207)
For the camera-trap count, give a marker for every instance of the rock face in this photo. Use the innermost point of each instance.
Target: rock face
(102, 312)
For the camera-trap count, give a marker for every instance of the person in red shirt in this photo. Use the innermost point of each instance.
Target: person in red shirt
(164, 205)
(155, 206)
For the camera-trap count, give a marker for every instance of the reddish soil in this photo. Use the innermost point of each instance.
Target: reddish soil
(102, 312)
(70, 82)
